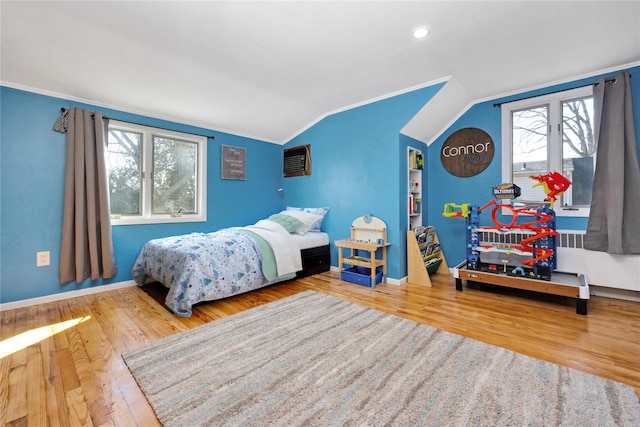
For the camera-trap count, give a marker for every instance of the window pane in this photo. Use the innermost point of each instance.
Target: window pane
(174, 176)
(124, 160)
(578, 151)
(530, 149)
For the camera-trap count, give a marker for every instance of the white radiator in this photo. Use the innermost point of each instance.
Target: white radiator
(600, 268)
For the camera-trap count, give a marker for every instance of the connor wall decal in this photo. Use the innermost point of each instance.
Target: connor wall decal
(467, 152)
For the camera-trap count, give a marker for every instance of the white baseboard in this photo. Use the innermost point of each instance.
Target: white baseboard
(397, 282)
(65, 295)
(614, 293)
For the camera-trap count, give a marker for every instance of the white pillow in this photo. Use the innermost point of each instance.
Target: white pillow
(317, 211)
(308, 219)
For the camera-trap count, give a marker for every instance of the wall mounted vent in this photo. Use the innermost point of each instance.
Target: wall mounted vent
(297, 161)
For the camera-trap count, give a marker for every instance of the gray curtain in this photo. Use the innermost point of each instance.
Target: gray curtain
(614, 220)
(87, 248)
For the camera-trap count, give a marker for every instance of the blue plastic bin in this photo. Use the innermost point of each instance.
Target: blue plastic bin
(361, 275)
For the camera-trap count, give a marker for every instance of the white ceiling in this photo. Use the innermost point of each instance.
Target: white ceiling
(270, 69)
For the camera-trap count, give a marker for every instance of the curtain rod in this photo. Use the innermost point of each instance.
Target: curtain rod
(157, 127)
(613, 81)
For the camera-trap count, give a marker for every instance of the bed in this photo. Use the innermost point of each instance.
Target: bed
(199, 267)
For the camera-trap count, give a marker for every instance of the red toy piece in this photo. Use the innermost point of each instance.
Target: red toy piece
(554, 184)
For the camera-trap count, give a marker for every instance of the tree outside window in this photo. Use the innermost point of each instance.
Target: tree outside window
(155, 175)
(552, 132)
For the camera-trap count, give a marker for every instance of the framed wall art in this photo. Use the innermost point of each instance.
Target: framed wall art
(234, 163)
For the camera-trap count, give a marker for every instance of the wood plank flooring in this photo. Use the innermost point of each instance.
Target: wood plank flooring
(74, 375)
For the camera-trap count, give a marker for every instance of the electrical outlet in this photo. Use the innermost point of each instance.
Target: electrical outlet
(42, 259)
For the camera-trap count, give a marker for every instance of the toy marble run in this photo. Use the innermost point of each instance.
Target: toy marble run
(525, 248)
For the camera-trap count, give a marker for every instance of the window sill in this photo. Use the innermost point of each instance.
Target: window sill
(573, 212)
(156, 219)
(560, 212)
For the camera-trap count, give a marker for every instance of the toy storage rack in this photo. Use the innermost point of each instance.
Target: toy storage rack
(417, 271)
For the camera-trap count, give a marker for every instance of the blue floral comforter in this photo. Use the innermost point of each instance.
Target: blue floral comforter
(202, 266)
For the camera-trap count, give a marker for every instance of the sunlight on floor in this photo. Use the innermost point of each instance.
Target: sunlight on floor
(25, 339)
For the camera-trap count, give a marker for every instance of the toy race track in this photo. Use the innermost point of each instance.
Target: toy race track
(528, 263)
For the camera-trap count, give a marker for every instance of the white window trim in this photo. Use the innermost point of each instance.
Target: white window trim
(553, 101)
(146, 216)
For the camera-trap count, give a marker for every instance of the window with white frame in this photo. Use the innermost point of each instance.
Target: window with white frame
(553, 132)
(155, 175)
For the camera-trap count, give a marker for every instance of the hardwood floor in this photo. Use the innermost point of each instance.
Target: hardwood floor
(71, 372)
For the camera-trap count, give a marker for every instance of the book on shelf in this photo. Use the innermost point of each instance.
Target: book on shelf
(430, 249)
(425, 236)
(416, 160)
(413, 162)
(417, 205)
(432, 265)
(431, 262)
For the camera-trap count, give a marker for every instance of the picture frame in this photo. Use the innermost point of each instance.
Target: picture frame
(234, 163)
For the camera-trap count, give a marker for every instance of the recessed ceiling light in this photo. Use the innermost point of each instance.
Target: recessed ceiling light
(420, 32)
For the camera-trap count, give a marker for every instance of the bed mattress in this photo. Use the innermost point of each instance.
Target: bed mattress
(311, 240)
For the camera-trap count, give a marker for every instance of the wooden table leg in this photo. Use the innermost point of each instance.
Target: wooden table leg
(384, 259)
(373, 267)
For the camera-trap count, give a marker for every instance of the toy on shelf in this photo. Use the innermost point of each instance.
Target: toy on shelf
(526, 246)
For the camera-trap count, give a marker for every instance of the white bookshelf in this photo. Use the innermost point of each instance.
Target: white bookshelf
(415, 167)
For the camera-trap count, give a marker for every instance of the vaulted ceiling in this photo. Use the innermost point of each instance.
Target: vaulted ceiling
(268, 70)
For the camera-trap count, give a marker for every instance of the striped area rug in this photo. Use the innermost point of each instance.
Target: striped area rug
(313, 359)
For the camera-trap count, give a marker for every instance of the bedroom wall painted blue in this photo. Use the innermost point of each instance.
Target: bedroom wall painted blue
(31, 193)
(443, 187)
(359, 167)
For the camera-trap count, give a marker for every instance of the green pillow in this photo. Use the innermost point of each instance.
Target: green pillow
(289, 223)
